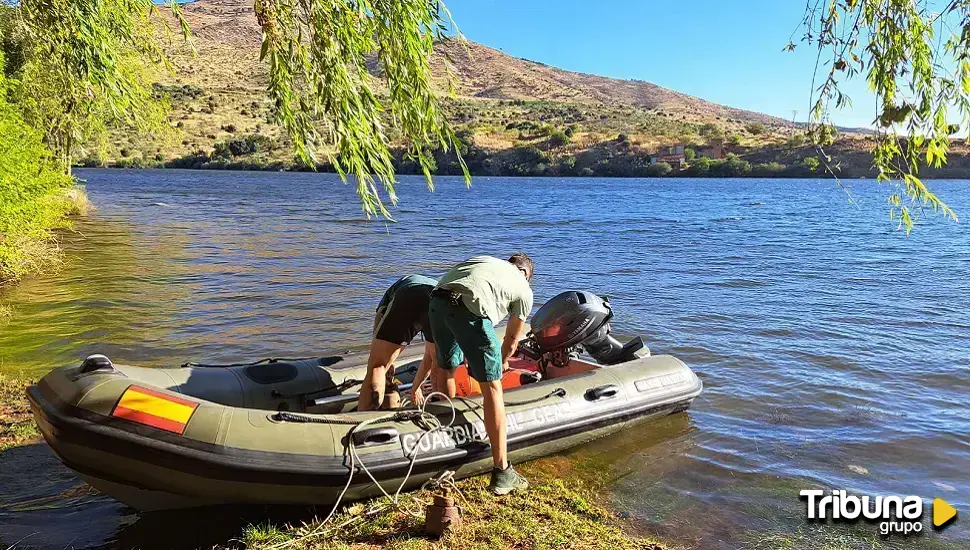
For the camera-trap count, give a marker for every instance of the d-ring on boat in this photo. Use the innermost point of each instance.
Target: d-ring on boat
(287, 432)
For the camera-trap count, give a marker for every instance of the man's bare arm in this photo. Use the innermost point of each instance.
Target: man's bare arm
(514, 332)
(424, 369)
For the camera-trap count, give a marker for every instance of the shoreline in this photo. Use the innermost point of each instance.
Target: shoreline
(30, 246)
(242, 167)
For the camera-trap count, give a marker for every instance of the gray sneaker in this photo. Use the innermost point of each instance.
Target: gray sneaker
(507, 480)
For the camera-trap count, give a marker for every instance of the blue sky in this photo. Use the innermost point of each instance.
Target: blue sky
(726, 52)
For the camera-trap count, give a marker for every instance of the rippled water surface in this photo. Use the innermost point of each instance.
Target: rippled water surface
(835, 350)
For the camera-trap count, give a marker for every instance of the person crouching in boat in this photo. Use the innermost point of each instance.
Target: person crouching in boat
(401, 314)
(465, 307)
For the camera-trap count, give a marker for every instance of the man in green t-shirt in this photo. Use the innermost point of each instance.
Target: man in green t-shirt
(465, 307)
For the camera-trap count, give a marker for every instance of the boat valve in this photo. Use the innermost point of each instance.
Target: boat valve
(95, 362)
(443, 515)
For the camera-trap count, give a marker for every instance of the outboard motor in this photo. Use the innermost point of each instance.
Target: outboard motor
(572, 322)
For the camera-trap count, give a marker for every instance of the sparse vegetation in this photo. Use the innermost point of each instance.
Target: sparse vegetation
(755, 128)
(16, 423)
(558, 138)
(551, 514)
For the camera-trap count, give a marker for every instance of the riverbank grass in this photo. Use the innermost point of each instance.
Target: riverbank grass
(28, 226)
(552, 514)
(16, 423)
(37, 195)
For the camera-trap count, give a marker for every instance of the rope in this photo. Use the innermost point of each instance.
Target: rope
(345, 385)
(428, 418)
(558, 392)
(195, 365)
(399, 416)
(428, 422)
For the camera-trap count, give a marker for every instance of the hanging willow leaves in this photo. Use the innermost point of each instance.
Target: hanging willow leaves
(916, 59)
(85, 65)
(319, 53)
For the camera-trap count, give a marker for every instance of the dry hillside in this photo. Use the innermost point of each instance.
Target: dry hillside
(517, 117)
(226, 32)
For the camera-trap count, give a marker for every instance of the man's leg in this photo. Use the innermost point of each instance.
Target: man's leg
(495, 422)
(483, 350)
(445, 380)
(381, 359)
(449, 355)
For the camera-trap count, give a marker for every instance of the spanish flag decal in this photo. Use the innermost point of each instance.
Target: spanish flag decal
(153, 408)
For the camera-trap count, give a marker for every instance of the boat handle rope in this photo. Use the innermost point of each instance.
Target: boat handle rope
(196, 365)
(345, 385)
(400, 416)
(558, 392)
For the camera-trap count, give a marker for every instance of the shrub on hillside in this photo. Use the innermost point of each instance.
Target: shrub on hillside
(558, 138)
(659, 170)
(253, 143)
(178, 93)
(768, 168)
(755, 128)
(711, 131)
(731, 167)
(700, 167)
(796, 141)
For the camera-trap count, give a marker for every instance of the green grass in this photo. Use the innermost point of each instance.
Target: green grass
(28, 238)
(552, 514)
(16, 423)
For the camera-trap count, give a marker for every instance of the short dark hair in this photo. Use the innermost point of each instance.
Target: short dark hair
(523, 261)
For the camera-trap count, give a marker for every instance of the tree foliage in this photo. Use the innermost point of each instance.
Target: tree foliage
(31, 182)
(915, 55)
(82, 66)
(319, 54)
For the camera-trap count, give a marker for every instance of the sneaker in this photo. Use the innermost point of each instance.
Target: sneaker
(507, 480)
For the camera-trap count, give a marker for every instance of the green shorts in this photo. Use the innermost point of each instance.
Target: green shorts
(460, 335)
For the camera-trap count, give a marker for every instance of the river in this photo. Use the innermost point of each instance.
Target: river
(835, 350)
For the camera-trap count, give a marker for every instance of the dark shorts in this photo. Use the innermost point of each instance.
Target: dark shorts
(404, 315)
(462, 336)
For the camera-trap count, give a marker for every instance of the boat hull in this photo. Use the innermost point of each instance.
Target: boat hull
(241, 451)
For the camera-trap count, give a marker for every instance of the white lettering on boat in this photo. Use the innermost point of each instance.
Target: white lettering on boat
(462, 434)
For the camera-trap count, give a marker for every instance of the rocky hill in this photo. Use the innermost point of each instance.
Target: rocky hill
(517, 116)
(226, 32)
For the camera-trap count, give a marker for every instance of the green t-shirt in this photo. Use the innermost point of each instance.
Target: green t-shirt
(490, 287)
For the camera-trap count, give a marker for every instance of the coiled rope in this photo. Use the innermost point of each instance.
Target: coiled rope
(432, 424)
(428, 422)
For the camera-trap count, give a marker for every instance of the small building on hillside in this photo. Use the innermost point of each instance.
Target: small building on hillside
(713, 151)
(672, 155)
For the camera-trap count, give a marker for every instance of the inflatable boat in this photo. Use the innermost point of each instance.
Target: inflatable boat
(287, 431)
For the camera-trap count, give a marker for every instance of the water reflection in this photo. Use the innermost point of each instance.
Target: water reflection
(107, 297)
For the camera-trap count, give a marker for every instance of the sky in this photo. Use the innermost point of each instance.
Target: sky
(725, 52)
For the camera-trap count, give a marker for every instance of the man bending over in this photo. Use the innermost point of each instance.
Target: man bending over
(401, 315)
(465, 307)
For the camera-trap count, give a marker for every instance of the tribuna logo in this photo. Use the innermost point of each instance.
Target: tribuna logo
(895, 514)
